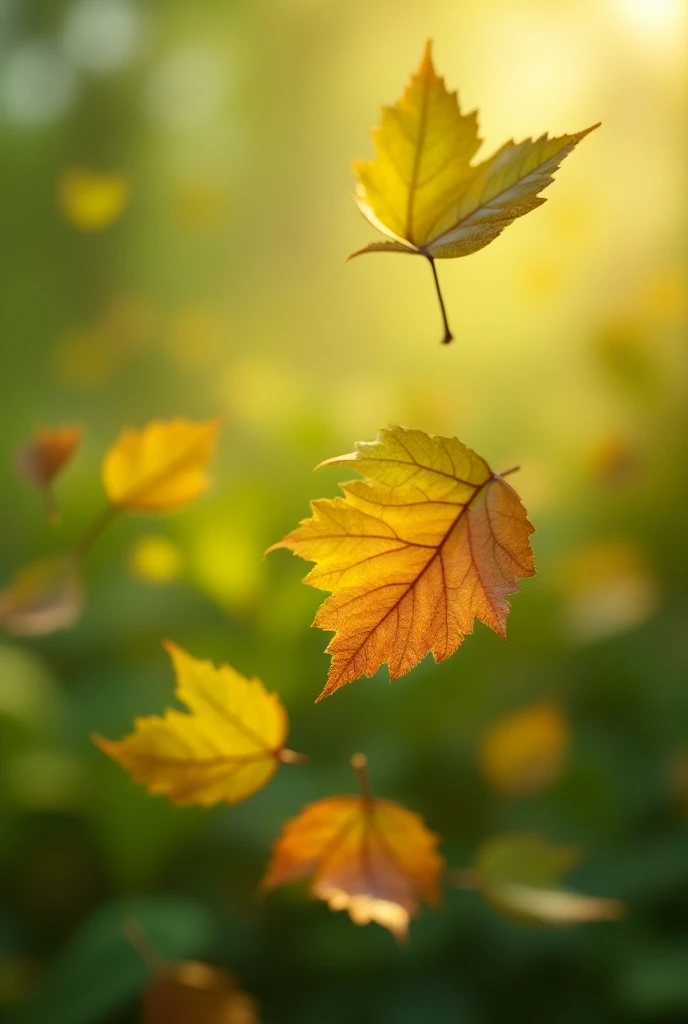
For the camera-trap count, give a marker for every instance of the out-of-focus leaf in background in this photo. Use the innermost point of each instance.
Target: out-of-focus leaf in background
(42, 597)
(525, 751)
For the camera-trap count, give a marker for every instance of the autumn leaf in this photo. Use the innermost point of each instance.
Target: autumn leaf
(40, 459)
(427, 542)
(92, 201)
(225, 748)
(525, 752)
(160, 468)
(520, 875)
(423, 192)
(43, 597)
(196, 992)
(369, 857)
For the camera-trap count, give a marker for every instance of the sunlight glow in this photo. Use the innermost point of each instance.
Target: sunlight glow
(657, 16)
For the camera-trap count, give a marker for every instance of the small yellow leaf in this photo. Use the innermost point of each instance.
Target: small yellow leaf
(227, 747)
(525, 752)
(518, 875)
(42, 597)
(429, 541)
(369, 857)
(423, 192)
(161, 467)
(91, 201)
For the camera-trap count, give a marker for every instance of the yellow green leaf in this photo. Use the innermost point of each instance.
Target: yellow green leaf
(423, 192)
(160, 468)
(429, 541)
(226, 747)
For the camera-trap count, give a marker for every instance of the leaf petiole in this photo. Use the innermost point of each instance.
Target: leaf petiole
(448, 336)
(359, 762)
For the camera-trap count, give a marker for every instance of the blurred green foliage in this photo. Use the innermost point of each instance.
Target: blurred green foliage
(221, 289)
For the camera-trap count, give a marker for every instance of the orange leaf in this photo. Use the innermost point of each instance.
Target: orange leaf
(370, 857)
(429, 541)
(40, 460)
(195, 992)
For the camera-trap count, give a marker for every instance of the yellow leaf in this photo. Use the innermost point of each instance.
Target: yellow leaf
(161, 467)
(518, 875)
(227, 747)
(423, 192)
(90, 201)
(369, 857)
(42, 597)
(430, 540)
(525, 752)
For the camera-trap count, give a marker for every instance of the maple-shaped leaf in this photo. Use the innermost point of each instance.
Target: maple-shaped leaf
(161, 467)
(40, 459)
(42, 597)
(520, 876)
(430, 540)
(422, 190)
(225, 748)
(370, 857)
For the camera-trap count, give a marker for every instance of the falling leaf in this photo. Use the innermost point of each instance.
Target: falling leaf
(370, 857)
(44, 456)
(161, 467)
(423, 192)
(227, 747)
(519, 876)
(91, 201)
(42, 597)
(525, 752)
(195, 992)
(430, 540)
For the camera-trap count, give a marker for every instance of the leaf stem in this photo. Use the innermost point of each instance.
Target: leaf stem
(448, 336)
(359, 762)
(508, 472)
(141, 943)
(287, 756)
(99, 524)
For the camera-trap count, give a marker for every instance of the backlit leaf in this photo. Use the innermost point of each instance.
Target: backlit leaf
(225, 748)
(91, 201)
(429, 541)
(42, 597)
(160, 468)
(369, 857)
(525, 752)
(43, 457)
(423, 192)
(520, 875)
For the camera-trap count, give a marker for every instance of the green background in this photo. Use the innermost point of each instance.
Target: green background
(569, 360)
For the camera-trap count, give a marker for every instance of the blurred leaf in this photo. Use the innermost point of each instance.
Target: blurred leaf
(161, 467)
(227, 748)
(525, 752)
(421, 189)
(42, 597)
(44, 456)
(517, 875)
(91, 201)
(429, 541)
(195, 993)
(98, 970)
(370, 857)
(156, 560)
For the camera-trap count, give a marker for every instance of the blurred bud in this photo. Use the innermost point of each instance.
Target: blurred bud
(526, 751)
(156, 559)
(608, 589)
(91, 201)
(42, 597)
